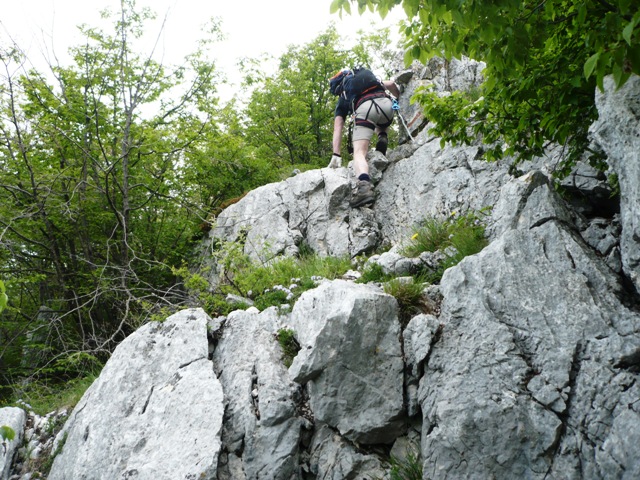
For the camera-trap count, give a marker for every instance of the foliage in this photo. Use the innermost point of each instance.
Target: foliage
(408, 293)
(284, 279)
(431, 234)
(290, 347)
(406, 469)
(94, 209)
(544, 61)
(197, 286)
(3, 297)
(275, 283)
(456, 237)
(373, 272)
(7, 433)
(44, 397)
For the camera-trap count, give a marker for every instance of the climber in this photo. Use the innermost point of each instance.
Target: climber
(368, 99)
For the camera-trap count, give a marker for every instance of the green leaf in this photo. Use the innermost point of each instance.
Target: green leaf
(628, 32)
(619, 75)
(411, 7)
(335, 6)
(591, 63)
(582, 14)
(7, 433)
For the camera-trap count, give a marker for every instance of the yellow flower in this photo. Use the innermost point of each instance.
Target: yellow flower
(415, 236)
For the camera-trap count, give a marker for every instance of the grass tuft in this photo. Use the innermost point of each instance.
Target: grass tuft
(290, 346)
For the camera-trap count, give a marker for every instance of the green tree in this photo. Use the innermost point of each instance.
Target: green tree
(93, 208)
(544, 61)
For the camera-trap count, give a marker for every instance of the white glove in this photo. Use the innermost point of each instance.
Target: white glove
(336, 161)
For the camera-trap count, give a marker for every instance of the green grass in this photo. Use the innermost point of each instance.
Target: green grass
(408, 293)
(407, 469)
(289, 344)
(374, 273)
(285, 279)
(45, 398)
(457, 236)
(429, 236)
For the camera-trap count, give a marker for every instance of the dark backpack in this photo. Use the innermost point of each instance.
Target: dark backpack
(353, 84)
(359, 82)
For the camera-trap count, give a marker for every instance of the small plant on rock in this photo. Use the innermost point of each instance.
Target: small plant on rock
(409, 468)
(374, 272)
(290, 346)
(456, 236)
(408, 293)
(8, 434)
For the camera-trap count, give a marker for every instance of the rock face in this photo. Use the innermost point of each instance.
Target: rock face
(617, 132)
(528, 368)
(262, 430)
(532, 325)
(443, 77)
(155, 411)
(351, 360)
(274, 219)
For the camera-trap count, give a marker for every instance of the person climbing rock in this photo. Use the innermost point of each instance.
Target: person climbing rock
(368, 99)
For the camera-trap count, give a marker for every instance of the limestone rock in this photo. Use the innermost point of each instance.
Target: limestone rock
(617, 132)
(333, 458)
(261, 432)
(443, 77)
(435, 182)
(312, 206)
(533, 329)
(350, 359)
(155, 411)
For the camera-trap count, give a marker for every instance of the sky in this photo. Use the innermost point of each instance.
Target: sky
(44, 28)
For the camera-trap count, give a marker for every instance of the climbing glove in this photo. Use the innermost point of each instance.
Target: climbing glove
(336, 161)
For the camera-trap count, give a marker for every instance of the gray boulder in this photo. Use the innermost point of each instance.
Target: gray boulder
(155, 411)
(334, 458)
(533, 328)
(274, 219)
(351, 360)
(261, 433)
(617, 132)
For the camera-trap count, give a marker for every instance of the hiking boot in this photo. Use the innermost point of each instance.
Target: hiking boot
(363, 194)
(381, 146)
